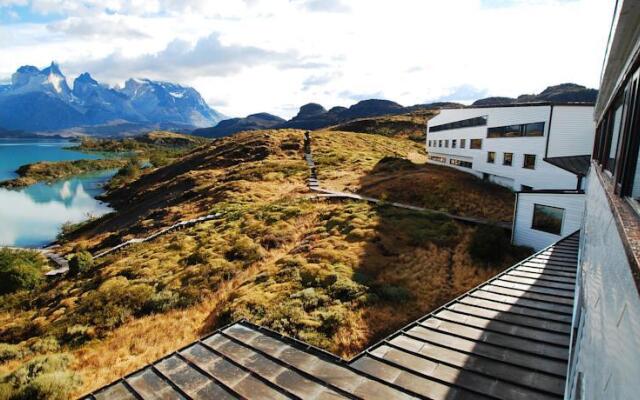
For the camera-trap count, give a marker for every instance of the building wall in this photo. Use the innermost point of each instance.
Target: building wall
(575, 121)
(524, 235)
(607, 342)
(572, 131)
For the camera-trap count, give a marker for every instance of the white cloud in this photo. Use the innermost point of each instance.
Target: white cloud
(274, 55)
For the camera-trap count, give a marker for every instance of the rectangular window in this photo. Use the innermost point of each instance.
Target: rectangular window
(507, 159)
(446, 143)
(529, 161)
(475, 144)
(438, 159)
(615, 135)
(453, 144)
(463, 143)
(460, 163)
(465, 123)
(439, 143)
(547, 219)
(491, 157)
(535, 129)
(519, 130)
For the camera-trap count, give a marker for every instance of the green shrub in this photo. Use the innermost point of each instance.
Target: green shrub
(11, 352)
(80, 262)
(47, 344)
(42, 378)
(114, 302)
(330, 322)
(346, 290)
(19, 269)
(78, 334)
(245, 249)
(395, 294)
(199, 256)
(489, 244)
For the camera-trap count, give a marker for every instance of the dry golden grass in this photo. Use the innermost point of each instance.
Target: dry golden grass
(339, 275)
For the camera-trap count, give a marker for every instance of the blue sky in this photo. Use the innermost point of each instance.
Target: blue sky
(248, 56)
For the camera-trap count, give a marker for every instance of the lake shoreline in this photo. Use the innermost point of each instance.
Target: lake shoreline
(51, 171)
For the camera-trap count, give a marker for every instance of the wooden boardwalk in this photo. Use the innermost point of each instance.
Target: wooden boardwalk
(172, 228)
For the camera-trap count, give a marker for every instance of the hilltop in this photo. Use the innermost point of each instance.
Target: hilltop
(337, 274)
(384, 116)
(563, 93)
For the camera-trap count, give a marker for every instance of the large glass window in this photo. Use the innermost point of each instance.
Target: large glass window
(463, 143)
(453, 143)
(532, 129)
(615, 135)
(446, 143)
(439, 143)
(547, 219)
(535, 129)
(507, 159)
(529, 161)
(475, 144)
(491, 157)
(465, 123)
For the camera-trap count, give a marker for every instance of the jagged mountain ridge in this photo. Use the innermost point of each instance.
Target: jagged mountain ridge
(42, 100)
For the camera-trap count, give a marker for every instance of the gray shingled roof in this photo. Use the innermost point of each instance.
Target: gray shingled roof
(505, 339)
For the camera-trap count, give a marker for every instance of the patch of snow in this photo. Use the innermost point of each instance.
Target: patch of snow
(55, 81)
(177, 95)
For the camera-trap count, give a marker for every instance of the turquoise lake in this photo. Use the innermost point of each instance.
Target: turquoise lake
(33, 216)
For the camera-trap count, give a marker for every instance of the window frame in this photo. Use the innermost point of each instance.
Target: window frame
(491, 157)
(538, 228)
(504, 159)
(514, 130)
(524, 161)
(453, 143)
(463, 143)
(471, 141)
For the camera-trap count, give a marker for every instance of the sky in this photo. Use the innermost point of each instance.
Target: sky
(249, 56)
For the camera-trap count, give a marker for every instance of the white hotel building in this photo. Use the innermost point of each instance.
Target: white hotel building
(539, 150)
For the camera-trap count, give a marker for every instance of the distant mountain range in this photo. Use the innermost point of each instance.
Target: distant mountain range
(314, 116)
(563, 93)
(41, 100)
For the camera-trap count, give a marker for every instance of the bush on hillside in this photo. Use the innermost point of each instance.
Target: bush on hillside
(114, 302)
(489, 244)
(80, 262)
(19, 269)
(245, 249)
(42, 378)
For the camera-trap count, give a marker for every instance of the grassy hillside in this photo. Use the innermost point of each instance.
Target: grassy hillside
(339, 275)
(407, 126)
(395, 170)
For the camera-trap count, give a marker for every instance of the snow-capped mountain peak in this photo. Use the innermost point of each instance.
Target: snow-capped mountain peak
(42, 100)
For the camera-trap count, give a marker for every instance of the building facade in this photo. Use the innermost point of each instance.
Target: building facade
(512, 145)
(541, 151)
(605, 352)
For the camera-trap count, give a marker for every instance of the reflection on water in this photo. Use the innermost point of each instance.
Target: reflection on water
(32, 217)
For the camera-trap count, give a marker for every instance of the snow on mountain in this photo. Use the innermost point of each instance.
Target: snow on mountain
(38, 100)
